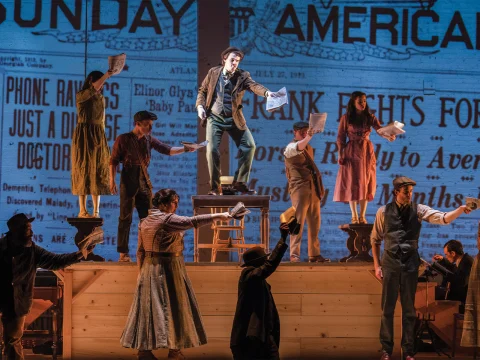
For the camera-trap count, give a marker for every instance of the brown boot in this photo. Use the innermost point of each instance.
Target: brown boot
(175, 354)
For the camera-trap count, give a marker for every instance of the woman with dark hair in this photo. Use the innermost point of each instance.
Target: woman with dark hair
(356, 178)
(164, 312)
(90, 151)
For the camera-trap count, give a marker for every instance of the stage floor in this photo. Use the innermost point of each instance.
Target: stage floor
(329, 311)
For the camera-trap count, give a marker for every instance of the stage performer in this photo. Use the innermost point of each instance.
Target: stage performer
(164, 312)
(256, 325)
(219, 106)
(306, 191)
(459, 264)
(356, 178)
(90, 151)
(471, 323)
(19, 259)
(133, 149)
(399, 224)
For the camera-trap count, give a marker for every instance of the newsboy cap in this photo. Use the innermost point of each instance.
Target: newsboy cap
(301, 125)
(18, 221)
(231, 49)
(144, 115)
(253, 254)
(401, 181)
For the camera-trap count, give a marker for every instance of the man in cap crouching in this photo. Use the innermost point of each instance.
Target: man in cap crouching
(256, 325)
(133, 149)
(399, 224)
(19, 259)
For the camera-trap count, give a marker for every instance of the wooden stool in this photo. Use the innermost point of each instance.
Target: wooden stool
(457, 317)
(233, 227)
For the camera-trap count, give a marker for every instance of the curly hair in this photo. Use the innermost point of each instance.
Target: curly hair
(164, 197)
(352, 117)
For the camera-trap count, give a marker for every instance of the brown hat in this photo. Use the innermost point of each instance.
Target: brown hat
(144, 115)
(231, 49)
(301, 125)
(253, 254)
(401, 181)
(18, 222)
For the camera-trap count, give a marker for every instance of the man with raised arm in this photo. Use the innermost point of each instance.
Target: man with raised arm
(399, 224)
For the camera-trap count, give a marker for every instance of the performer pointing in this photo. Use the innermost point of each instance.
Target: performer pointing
(399, 223)
(219, 106)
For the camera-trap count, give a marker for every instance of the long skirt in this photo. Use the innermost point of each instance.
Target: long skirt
(471, 324)
(90, 160)
(164, 312)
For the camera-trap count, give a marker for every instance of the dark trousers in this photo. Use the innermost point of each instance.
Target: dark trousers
(216, 126)
(12, 336)
(400, 275)
(132, 196)
(254, 349)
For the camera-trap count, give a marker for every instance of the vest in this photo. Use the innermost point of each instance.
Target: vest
(223, 97)
(301, 170)
(401, 230)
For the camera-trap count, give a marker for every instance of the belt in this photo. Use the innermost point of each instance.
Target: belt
(152, 254)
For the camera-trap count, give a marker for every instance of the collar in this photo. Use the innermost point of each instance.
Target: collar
(401, 206)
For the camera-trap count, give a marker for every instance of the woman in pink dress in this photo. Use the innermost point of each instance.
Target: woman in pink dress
(356, 178)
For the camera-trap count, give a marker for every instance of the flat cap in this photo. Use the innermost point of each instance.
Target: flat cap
(301, 125)
(144, 115)
(401, 181)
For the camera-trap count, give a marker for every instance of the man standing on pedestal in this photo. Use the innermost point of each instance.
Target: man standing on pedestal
(219, 106)
(306, 191)
(399, 223)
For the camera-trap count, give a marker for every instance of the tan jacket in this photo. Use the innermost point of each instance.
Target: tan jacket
(243, 82)
(301, 170)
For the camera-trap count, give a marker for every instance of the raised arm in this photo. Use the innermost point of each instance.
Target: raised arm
(49, 261)
(254, 87)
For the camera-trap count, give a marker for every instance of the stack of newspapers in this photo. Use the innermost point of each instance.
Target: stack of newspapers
(239, 211)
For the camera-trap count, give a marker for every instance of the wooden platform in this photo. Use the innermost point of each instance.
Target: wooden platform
(329, 311)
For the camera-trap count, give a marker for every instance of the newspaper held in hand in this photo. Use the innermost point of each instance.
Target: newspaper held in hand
(116, 63)
(275, 103)
(395, 128)
(94, 238)
(473, 203)
(239, 211)
(194, 146)
(317, 122)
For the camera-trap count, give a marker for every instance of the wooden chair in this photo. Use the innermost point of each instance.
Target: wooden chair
(458, 319)
(234, 241)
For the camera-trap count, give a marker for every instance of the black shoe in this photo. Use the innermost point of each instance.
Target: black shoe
(243, 189)
(215, 192)
(318, 258)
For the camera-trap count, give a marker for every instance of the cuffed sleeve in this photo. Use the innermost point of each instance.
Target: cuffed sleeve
(291, 150)
(431, 215)
(378, 230)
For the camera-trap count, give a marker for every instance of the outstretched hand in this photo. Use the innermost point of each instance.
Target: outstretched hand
(284, 230)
